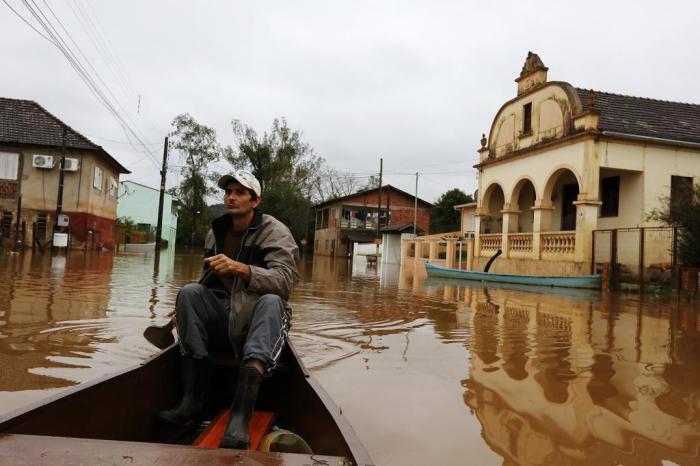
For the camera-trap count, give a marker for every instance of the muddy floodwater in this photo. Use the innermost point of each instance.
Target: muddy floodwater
(429, 372)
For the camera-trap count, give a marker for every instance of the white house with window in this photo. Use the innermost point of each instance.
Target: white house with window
(560, 162)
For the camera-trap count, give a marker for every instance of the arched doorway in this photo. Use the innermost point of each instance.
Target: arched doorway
(492, 217)
(524, 200)
(562, 190)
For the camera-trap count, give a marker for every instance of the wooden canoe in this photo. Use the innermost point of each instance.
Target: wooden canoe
(580, 281)
(113, 420)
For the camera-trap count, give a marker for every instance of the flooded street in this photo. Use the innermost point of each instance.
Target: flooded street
(427, 371)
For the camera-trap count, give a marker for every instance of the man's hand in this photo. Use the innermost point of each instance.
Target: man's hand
(224, 266)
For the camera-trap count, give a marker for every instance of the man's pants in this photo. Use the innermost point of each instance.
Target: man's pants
(202, 324)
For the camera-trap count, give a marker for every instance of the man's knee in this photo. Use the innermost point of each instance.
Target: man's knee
(190, 290)
(270, 301)
(189, 299)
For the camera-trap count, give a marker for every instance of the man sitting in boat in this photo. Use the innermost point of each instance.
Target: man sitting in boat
(240, 304)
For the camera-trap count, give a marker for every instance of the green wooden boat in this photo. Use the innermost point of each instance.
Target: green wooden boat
(580, 281)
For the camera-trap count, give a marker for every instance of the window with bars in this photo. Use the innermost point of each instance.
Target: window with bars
(5, 224)
(42, 221)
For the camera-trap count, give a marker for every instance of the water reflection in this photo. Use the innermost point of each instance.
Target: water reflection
(69, 318)
(515, 376)
(39, 291)
(557, 380)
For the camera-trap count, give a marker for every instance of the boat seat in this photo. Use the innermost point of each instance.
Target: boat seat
(260, 424)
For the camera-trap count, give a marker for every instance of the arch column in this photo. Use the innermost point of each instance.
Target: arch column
(510, 225)
(586, 222)
(477, 230)
(542, 222)
(450, 253)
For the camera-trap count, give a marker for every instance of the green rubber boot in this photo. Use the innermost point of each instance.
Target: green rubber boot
(237, 434)
(195, 374)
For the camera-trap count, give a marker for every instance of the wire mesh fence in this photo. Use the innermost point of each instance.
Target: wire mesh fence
(636, 256)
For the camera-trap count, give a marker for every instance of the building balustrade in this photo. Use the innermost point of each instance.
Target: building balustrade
(555, 245)
(520, 243)
(355, 223)
(558, 242)
(491, 242)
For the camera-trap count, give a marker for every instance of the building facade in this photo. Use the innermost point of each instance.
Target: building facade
(357, 218)
(561, 162)
(32, 142)
(139, 204)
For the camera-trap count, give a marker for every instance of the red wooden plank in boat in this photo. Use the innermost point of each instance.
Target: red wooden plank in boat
(260, 424)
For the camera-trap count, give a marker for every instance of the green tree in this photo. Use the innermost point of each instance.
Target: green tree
(198, 150)
(443, 216)
(285, 165)
(683, 212)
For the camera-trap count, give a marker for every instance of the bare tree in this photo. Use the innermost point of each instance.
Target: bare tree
(332, 184)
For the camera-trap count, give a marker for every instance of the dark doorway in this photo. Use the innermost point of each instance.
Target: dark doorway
(568, 209)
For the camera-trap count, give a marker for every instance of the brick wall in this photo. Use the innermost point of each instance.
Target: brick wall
(8, 189)
(406, 216)
(401, 207)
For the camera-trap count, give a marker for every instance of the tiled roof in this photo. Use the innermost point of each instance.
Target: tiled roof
(400, 228)
(27, 122)
(640, 116)
(384, 199)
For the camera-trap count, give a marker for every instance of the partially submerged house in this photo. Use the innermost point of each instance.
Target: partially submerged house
(359, 217)
(138, 204)
(32, 142)
(560, 162)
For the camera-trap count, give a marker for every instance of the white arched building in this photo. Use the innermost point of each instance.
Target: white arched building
(561, 162)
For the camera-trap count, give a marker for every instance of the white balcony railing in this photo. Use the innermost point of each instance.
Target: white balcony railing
(558, 242)
(520, 243)
(491, 242)
(358, 224)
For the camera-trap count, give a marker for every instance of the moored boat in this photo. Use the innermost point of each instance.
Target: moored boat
(113, 420)
(580, 281)
(585, 294)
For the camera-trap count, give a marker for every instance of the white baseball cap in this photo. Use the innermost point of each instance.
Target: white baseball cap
(243, 177)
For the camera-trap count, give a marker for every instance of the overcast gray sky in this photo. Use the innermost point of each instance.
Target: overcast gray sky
(414, 82)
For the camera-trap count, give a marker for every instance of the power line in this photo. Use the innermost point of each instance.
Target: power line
(100, 45)
(55, 38)
(27, 22)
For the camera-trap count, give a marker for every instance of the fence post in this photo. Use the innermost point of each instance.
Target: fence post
(641, 260)
(593, 252)
(676, 279)
(613, 259)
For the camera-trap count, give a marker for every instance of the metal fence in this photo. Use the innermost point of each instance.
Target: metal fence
(636, 256)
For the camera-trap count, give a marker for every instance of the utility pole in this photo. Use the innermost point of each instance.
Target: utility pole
(379, 202)
(415, 209)
(59, 200)
(194, 203)
(20, 172)
(159, 227)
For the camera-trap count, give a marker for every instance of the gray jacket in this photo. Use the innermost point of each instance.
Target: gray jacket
(272, 254)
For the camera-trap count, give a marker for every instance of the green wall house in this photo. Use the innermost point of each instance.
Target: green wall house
(139, 204)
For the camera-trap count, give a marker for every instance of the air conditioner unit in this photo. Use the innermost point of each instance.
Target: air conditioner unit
(70, 165)
(42, 161)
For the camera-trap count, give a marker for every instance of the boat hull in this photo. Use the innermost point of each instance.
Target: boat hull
(581, 281)
(123, 407)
